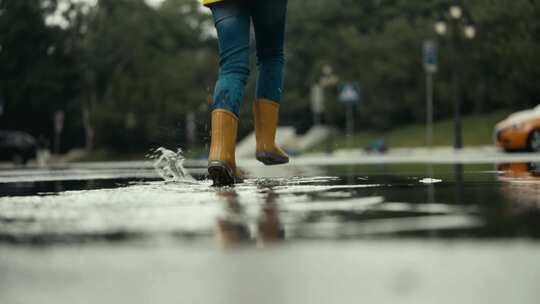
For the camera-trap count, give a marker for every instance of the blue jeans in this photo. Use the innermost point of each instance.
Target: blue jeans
(233, 20)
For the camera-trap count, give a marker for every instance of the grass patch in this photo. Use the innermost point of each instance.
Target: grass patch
(477, 131)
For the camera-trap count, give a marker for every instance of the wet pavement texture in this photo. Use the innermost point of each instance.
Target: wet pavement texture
(412, 233)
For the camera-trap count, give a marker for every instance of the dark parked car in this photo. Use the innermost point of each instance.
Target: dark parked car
(18, 147)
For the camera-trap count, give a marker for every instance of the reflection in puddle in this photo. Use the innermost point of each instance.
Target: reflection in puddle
(319, 188)
(521, 183)
(521, 187)
(389, 227)
(269, 227)
(233, 225)
(346, 205)
(430, 181)
(519, 172)
(463, 202)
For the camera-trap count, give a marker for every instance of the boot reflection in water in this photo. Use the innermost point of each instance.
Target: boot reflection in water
(269, 228)
(231, 228)
(233, 21)
(232, 225)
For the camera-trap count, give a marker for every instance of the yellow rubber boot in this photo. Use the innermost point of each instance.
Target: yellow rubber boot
(266, 118)
(222, 161)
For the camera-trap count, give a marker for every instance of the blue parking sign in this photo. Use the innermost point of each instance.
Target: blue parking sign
(430, 56)
(349, 92)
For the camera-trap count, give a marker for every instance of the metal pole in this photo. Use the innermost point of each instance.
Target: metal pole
(458, 176)
(191, 128)
(327, 123)
(350, 124)
(429, 109)
(57, 143)
(458, 140)
(316, 119)
(431, 186)
(317, 103)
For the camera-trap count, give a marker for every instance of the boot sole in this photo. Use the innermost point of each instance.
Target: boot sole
(271, 159)
(221, 174)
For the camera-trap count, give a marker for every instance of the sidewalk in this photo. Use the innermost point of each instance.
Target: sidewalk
(437, 155)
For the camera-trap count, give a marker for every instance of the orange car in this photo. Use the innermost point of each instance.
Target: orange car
(520, 131)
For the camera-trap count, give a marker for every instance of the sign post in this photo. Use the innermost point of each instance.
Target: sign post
(430, 66)
(191, 128)
(58, 129)
(317, 103)
(327, 79)
(349, 94)
(1, 105)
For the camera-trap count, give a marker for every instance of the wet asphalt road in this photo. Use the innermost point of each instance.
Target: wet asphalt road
(411, 233)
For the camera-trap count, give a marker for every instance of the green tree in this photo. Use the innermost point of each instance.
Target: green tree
(35, 74)
(142, 72)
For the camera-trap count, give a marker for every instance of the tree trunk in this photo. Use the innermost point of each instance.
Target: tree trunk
(87, 120)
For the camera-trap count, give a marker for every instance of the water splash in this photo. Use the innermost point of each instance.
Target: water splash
(170, 165)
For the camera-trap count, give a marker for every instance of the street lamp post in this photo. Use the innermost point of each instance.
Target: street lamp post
(430, 67)
(461, 25)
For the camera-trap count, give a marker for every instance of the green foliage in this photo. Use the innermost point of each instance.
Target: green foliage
(35, 74)
(146, 71)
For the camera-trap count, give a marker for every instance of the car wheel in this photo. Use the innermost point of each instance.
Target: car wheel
(534, 141)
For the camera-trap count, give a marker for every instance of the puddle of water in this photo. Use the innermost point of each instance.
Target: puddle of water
(407, 233)
(494, 201)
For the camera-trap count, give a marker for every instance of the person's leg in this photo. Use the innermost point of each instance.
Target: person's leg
(232, 21)
(269, 20)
